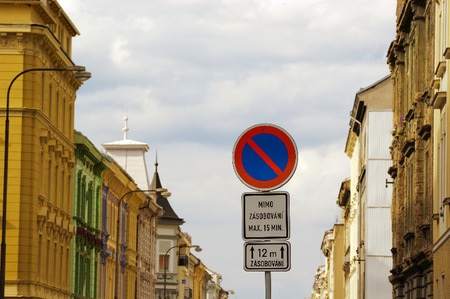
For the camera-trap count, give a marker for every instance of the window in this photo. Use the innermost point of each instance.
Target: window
(410, 194)
(64, 117)
(442, 150)
(163, 262)
(49, 177)
(89, 206)
(55, 182)
(42, 91)
(436, 291)
(41, 173)
(426, 204)
(442, 167)
(83, 199)
(50, 91)
(55, 254)
(47, 261)
(443, 20)
(39, 270)
(63, 183)
(70, 120)
(62, 265)
(57, 108)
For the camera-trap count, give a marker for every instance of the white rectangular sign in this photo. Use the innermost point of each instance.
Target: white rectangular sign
(267, 256)
(265, 216)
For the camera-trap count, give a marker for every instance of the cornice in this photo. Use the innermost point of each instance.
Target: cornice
(40, 42)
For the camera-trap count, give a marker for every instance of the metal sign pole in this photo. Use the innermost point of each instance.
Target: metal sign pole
(268, 285)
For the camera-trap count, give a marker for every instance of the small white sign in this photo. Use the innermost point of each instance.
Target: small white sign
(265, 216)
(267, 256)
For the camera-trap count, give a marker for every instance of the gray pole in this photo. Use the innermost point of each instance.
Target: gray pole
(268, 285)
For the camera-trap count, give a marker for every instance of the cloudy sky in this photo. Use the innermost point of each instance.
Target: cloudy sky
(192, 75)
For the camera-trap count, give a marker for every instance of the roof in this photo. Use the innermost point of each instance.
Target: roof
(127, 142)
(169, 214)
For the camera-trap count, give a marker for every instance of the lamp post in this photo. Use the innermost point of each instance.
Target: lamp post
(81, 74)
(116, 283)
(166, 264)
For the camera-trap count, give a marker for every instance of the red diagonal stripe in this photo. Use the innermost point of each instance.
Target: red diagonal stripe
(264, 156)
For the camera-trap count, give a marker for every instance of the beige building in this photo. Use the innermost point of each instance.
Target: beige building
(411, 61)
(441, 185)
(333, 245)
(320, 286)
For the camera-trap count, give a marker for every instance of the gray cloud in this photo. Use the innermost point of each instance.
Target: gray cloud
(194, 74)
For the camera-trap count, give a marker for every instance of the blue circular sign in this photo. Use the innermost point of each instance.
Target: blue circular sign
(265, 157)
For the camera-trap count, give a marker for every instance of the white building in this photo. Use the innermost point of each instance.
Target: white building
(368, 224)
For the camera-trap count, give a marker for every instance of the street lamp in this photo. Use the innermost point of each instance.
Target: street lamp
(166, 264)
(116, 283)
(82, 75)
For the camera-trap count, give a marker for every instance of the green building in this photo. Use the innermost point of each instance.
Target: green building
(87, 243)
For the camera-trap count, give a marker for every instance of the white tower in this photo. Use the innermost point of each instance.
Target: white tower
(130, 155)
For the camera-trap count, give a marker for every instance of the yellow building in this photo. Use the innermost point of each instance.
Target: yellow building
(117, 183)
(201, 278)
(38, 34)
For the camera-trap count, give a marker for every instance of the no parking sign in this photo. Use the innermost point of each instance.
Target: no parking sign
(265, 157)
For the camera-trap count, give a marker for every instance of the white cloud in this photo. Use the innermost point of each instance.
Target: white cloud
(197, 73)
(120, 53)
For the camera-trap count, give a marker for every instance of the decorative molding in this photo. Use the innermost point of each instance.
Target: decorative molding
(44, 134)
(409, 236)
(410, 115)
(408, 147)
(439, 99)
(42, 215)
(446, 201)
(440, 69)
(425, 132)
(424, 228)
(392, 171)
(446, 53)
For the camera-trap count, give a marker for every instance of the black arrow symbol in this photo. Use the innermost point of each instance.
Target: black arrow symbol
(252, 250)
(282, 252)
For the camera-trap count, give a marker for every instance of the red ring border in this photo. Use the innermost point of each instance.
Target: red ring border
(288, 172)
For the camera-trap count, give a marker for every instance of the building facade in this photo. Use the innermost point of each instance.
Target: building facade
(320, 286)
(130, 155)
(368, 214)
(441, 194)
(87, 243)
(333, 245)
(214, 290)
(121, 200)
(39, 231)
(411, 61)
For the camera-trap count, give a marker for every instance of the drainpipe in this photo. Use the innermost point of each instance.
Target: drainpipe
(360, 296)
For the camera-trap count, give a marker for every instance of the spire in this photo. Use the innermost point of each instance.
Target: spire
(125, 129)
(156, 182)
(161, 199)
